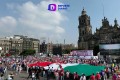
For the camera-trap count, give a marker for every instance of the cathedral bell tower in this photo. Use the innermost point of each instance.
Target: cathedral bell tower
(85, 30)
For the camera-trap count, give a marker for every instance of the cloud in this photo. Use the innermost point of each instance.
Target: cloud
(34, 19)
(10, 5)
(7, 21)
(7, 24)
(37, 16)
(59, 30)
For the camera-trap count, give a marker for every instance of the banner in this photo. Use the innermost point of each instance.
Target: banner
(82, 53)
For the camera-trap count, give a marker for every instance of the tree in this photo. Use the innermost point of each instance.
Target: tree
(13, 51)
(66, 51)
(28, 52)
(2, 54)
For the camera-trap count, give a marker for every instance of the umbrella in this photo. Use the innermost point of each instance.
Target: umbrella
(86, 69)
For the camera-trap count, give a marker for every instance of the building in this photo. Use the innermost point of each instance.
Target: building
(18, 43)
(106, 34)
(35, 44)
(5, 44)
(50, 46)
(68, 46)
(43, 47)
(57, 50)
(85, 30)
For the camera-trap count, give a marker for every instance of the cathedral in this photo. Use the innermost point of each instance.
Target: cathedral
(106, 34)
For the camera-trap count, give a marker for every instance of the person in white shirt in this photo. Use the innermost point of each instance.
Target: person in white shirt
(1, 77)
(56, 75)
(10, 76)
(5, 69)
(33, 76)
(83, 77)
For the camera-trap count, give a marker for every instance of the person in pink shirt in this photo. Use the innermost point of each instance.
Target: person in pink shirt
(92, 77)
(114, 77)
(98, 77)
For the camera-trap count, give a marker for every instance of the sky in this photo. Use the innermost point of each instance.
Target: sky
(33, 19)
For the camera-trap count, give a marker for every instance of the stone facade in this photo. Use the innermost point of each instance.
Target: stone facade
(18, 43)
(5, 44)
(49, 47)
(35, 44)
(106, 34)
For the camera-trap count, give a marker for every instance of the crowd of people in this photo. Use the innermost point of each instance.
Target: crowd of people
(36, 72)
(61, 75)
